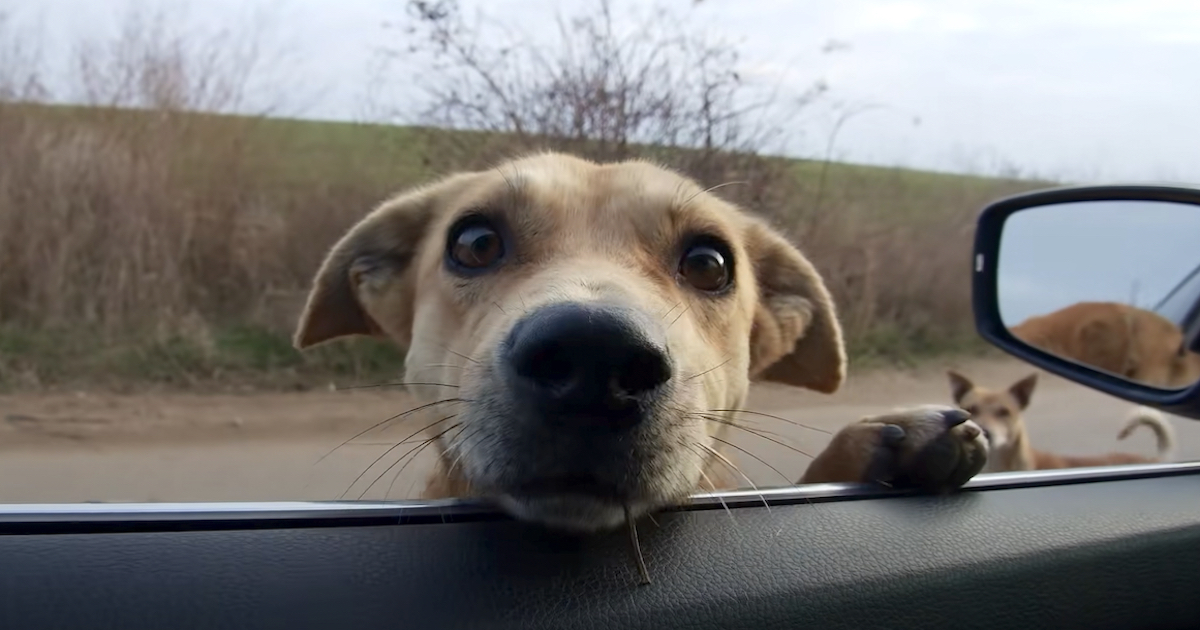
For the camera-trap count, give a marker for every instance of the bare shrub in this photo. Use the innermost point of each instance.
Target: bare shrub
(133, 211)
(651, 86)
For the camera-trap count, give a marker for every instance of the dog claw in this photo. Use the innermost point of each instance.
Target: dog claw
(892, 434)
(955, 417)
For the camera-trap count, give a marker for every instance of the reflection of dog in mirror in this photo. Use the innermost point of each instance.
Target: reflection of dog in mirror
(1000, 413)
(1131, 342)
(592, 330)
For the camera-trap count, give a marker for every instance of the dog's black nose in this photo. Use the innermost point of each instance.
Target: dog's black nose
(587, 361)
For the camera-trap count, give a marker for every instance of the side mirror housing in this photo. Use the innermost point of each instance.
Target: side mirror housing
(1099, 285)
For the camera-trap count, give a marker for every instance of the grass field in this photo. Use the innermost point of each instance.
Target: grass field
(147, 249)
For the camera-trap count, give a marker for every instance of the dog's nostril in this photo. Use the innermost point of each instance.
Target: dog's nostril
(643, 371)
(548, 363)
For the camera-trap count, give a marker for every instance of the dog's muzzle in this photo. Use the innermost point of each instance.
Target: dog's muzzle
(586, 385)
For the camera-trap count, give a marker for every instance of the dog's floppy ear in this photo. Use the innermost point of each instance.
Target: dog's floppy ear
(372, 263)
(959, 385)
(795, 337)
(1022, 390)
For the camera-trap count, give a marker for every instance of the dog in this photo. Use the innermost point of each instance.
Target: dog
(1135, 343)
(599, 325)
(1000, 414)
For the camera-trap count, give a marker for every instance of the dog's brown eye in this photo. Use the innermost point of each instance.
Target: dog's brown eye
(705, 268)
(476, 246)
(1002, 412)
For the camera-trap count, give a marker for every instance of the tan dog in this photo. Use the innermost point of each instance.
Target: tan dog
(600, 323)
(1000, 413)
(1137, 344)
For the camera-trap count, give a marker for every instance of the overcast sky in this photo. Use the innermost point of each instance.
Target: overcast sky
(1087, 90)
(1111, 251)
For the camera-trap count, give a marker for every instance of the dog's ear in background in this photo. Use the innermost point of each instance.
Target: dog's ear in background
(960, 386)
(1022, 390)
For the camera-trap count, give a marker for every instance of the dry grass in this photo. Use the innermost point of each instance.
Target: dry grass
(141, 243)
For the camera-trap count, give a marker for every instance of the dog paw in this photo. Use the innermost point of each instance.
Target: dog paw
(934, 448)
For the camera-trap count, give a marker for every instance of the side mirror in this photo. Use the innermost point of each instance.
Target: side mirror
(1099, 285)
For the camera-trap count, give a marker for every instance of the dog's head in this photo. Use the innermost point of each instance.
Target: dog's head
(997, 412)
(598, 320)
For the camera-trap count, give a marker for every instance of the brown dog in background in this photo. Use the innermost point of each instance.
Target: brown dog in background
(588, 333)
(1135, 343)
(1000, 414)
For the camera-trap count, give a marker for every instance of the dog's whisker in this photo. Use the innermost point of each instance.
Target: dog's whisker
(397, 384)
(637, 547)
(760, 460)
(672, 309)
(713, 488)
(396, 446)
(715, 367)
(761, 433)
(767, 415)
(461, 427)
(408, 441)
(749, 426)
(451, 351)
(711, 189)
(410, 452)
(737, 469)
(455, 441)
(461, 356)
(386, 421)
(679, 316)
(410, 456)
(501, 308)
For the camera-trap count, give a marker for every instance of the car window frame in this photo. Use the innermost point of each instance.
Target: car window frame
(98, 517)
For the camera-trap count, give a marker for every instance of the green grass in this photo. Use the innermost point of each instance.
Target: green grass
(388, 157)
(238, 358)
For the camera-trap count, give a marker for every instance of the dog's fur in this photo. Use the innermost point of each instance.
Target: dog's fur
(1131, 342)
(1001, 415)
(608, 240)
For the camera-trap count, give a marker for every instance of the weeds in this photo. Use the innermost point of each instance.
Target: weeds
(146, 237)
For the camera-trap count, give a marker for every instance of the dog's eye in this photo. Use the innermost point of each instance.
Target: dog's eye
(1002, 412)
(475, 245)
(705, 268)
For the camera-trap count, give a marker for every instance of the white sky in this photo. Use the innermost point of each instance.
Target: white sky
(1087, 90)
(1109, 251)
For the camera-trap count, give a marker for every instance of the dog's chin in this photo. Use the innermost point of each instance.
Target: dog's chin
(572, 513)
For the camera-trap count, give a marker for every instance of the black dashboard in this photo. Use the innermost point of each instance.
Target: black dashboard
(1055, 549)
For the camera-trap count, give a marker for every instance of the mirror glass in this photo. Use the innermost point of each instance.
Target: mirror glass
(1111, 284)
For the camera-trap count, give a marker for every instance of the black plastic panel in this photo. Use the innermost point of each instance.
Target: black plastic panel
(988, 233)
(1120, 554)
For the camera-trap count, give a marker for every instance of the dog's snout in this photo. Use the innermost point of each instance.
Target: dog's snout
(588, 361)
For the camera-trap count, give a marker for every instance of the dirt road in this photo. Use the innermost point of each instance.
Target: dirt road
(187, 447)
